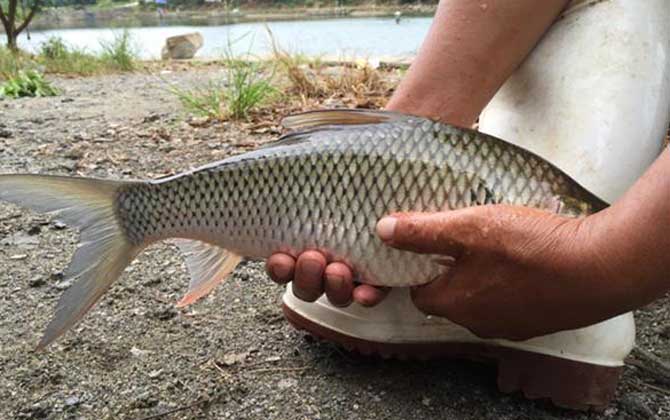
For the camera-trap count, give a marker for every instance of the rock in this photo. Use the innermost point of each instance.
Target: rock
(287, 383)
(59, 225)
(34, 230)
(63, 285)
(231, 359)
(182, 47)
(139, 352)
(72, 401)
(36, 282)
(20, 240)
(164, 313)
(5, 134)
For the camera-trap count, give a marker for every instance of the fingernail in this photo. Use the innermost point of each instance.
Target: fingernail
(312, 268)
(280, 272)
(386, 227)
(335, 279)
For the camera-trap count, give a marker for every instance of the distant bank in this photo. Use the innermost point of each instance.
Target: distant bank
(132, 15)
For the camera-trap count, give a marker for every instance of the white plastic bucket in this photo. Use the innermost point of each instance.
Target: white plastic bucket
(594, 95)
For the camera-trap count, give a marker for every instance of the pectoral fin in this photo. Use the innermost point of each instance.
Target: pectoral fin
(208, 266)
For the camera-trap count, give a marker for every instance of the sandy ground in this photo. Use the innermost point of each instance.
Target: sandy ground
(231, 355)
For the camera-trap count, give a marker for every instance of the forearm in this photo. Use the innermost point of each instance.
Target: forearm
(632, 238)
(471, 49)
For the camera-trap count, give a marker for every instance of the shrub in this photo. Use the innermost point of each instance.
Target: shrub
(27, 83)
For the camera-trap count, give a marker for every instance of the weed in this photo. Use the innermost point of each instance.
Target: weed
(303, 82)
(11, 62)
(203, 102)
(58, 57)
(356, 83)
(246, 86)
(27, 83)
(120, 52)
(54, 48)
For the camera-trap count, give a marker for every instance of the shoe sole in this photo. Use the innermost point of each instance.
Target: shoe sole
(567, 383)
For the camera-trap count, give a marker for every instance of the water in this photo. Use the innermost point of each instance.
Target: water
(364, 38)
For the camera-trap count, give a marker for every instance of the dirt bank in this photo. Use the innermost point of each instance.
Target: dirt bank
(231, 355)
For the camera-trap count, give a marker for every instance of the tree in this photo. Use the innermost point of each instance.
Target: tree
(15, 21)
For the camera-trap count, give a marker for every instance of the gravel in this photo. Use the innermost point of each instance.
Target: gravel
(230, 356)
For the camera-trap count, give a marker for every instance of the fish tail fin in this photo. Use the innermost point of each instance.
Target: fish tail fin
(103, 252)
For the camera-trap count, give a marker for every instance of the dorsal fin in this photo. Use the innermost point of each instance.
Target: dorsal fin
(332, 117)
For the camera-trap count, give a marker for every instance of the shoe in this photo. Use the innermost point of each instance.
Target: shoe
(577, 369)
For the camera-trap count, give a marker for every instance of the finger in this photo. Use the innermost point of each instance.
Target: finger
(432, 233)
(280, 267)
(339, 284)
(308, 277)
(367, 295)
(433, 298)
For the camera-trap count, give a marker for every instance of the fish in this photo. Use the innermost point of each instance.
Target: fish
(322, 186)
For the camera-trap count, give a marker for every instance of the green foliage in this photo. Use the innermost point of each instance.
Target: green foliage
(27, 83)
(206, 102)
(8, 63)
(54, 48)
(246, 87)
(11, 62)
(120, 52)
(58, 57)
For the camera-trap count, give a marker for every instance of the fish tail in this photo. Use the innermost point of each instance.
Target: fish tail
(104, 250)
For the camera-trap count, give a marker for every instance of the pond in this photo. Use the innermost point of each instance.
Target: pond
(350, 37)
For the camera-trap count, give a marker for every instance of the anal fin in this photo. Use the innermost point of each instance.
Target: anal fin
(208, 266)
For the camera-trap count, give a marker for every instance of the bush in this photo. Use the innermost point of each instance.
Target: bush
(27, 83)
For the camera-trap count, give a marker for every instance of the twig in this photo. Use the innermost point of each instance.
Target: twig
(651, 365)
(176, 410)
(657, 388)
(298, 369)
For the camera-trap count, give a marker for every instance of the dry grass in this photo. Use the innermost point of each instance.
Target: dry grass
(311, 82)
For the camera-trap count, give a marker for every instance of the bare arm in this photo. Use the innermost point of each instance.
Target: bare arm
(471, 49)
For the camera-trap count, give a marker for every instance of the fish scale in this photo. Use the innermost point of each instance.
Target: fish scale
(345, 178)
(323, 187)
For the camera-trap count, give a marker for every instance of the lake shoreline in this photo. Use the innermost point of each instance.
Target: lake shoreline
(131, 17)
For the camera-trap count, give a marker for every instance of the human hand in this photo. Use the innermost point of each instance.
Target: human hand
(312, 275)
(518, 272)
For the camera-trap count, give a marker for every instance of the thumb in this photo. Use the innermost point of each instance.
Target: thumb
(427, 233)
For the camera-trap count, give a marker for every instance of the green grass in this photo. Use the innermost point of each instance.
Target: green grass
(247, 86)
(118, 55)
(11, 63)
(208, 101)
(57, 57)
(120, 52)
(20, 77)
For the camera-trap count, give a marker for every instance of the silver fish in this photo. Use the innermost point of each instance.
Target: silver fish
(323, 187)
